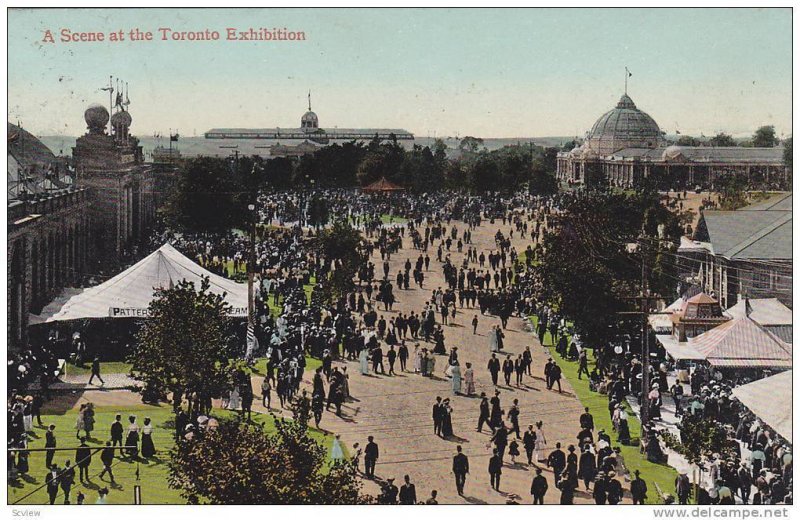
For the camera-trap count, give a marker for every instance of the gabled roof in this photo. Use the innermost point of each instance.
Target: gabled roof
(742, 343)
(382, 185)
(747, 234)
(782, 202)
(764, 311)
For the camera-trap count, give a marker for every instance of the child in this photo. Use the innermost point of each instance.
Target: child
(513, 450)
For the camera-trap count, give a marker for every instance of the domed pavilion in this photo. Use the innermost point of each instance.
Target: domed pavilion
(625, 145)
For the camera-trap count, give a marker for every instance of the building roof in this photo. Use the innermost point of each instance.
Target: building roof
(770, 399)
(764, 311)
(782, 202)
(702, 154)
(27, 149)
(129, 293)
(624, 126)
(747, 235)
(742, 343)
(382, 185)
(300, 133)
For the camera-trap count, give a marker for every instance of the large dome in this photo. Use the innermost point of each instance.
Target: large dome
(309, 121)
(625, 126)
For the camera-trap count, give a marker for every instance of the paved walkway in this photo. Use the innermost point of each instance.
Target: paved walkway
(396, 410)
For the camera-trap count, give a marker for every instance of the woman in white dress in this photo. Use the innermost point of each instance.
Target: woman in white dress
(455, 371)
(417, 359)
(337, 453)
(234, 401)
(363, 358)
(469, 379)
(494, 345)
(541, 443)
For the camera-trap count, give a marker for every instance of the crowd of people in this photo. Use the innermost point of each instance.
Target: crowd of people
(292, 324)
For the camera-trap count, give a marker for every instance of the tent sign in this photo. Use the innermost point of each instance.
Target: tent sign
(137, 312)
(128, 312)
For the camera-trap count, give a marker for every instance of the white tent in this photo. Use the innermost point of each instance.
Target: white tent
(770, 399)
(128, 295)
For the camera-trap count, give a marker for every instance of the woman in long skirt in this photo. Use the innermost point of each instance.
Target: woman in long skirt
(148, 448)
(541, 443)
(431, 365)
(337, 453)
(455, 370)
(418, 356)
(363, 358)
(493, 340)
(132, 440)
(345, 383)
(469, 379)
(447, 420)
(88, 420)
(27, 414)
(79, 421)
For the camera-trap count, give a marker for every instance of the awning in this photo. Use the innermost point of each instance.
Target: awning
(128, 294)
(677, 350)
(770, 399)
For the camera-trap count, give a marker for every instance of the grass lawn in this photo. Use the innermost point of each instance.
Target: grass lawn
(391, 219)
(653, 474)
(152, 476)
(110, 367)
(260, 367)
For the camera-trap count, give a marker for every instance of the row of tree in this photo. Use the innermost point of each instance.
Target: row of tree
(764, 137)
(212, 194)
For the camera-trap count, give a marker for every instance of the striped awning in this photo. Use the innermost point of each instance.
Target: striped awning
(742, 343)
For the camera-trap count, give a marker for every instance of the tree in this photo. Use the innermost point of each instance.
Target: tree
(239, 463)
(342, 251)
(211, 194)
(470, 144)
(787, 152)
(732, 191)
(765, 137)
(699, 438)
(182, 346)
(586, 269)
(721, 139)
(688, 140)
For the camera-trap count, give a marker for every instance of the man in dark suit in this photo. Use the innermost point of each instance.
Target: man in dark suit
(83, 458)
(370, 457)
(500, 440)
(638, 489)
(529, 442)
(96, 371)
(586, 420)
(558, 461)
(548, 369)
(408, 492)
(538, 487)
(52, 481)
(437, 416)
(50, 442)
(66, 479)
(116, 431)
(495, 470)
(484, 416)
(107, 456)
(555, 377)
(494, 368)
(460, 469)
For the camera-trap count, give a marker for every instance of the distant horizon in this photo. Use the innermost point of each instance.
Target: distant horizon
(503, 73)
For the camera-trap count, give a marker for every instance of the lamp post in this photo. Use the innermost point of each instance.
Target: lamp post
(251, 268)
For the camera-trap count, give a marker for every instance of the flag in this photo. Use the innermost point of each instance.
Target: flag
(173, 138)
(252, 342)
(678, 132)
(629, 72)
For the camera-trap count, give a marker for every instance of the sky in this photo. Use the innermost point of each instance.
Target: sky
(443, 72)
